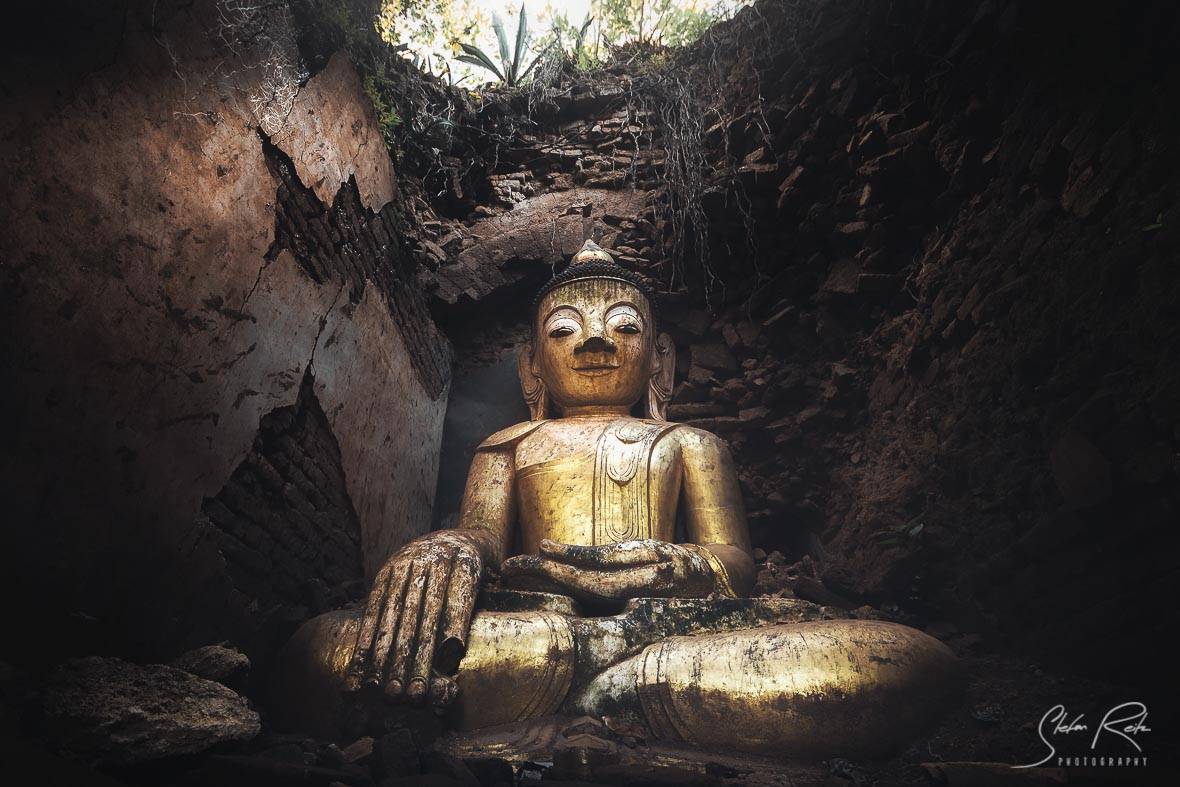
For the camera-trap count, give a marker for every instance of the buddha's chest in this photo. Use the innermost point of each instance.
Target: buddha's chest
(598, 482)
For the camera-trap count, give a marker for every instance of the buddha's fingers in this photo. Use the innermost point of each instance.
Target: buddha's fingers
(433, 598)
(632, 582)
(442, 691)
(599, 585)
(603, 556)
(520, 565)
(362, 649)
(407, 630)
(390, 617)
(460, 601)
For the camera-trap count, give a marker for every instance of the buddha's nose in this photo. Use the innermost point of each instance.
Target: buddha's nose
(595, 344)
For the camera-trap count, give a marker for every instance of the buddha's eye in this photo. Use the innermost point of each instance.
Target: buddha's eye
(624, 319)
(561, 325)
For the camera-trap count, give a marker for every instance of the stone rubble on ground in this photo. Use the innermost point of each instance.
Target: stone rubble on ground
(112, 712)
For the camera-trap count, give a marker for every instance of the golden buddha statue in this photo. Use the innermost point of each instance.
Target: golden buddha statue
(606, 510)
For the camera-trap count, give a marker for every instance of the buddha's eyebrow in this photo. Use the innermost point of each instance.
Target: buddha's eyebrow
(629, 304)
(562, 307)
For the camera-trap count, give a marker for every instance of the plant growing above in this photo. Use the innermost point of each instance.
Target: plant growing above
(511, 70)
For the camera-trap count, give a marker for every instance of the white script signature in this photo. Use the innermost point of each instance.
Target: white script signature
(1125, 720)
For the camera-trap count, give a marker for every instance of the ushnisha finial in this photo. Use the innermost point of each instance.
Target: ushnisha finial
(592, 252)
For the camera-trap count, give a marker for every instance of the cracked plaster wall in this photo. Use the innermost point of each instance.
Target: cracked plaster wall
(146, 331)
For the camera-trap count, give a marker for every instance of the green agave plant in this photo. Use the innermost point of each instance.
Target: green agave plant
(510, 71)
(581, 38)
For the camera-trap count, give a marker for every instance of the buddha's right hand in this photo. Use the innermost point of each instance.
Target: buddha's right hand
(417, 617)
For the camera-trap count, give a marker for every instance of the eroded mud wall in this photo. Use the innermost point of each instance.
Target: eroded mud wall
(223, 390)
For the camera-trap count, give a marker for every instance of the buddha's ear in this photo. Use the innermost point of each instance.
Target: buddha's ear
(663, 370)
(531, 384)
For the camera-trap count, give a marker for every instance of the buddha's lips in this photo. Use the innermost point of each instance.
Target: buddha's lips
(595, 367)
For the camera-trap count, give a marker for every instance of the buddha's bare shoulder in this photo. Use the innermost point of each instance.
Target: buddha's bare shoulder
(699, 440)
(510, 436)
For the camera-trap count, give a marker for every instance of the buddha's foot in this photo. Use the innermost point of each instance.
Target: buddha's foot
(808, 690)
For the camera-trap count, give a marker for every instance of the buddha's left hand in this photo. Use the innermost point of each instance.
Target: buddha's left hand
(614, 572)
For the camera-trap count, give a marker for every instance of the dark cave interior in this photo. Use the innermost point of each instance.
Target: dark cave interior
(919, 262)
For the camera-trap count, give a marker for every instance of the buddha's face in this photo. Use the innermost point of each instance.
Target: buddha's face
(594, 343)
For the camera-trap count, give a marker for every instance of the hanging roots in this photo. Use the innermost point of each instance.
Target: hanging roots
(262, 37)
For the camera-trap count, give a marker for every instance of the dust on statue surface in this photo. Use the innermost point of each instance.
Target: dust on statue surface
(610, 509)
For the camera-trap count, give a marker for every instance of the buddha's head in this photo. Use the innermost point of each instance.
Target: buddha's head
(594, 342)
